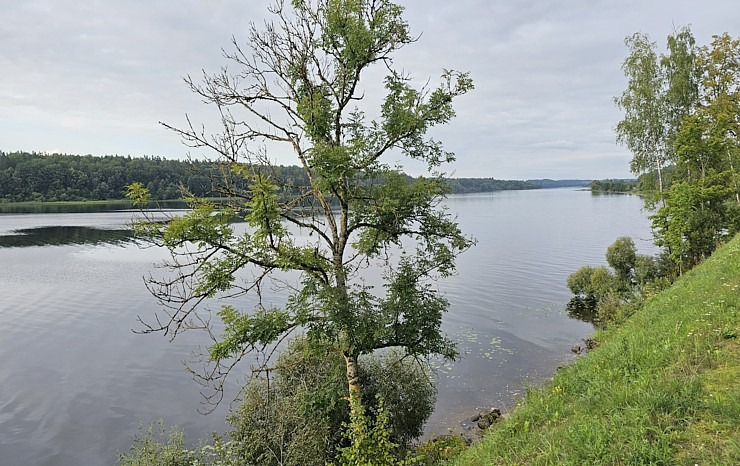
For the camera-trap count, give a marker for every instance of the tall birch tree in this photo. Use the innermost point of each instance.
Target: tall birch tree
(661, 91)
(643, 129)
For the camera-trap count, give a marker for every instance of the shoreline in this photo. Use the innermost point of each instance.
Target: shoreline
(463, 423)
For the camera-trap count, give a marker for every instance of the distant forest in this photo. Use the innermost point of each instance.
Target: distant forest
(37, 177)
(40, 177)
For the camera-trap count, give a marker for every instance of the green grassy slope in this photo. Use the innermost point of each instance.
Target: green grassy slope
(662, 389)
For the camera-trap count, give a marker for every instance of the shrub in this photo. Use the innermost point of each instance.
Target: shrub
(302, 412)
(407, 392)
(608, 307)
(579, 282)
(369, 438)
(621, 256)
(646, 269)
(440, 449)
(154, 446)
(604, 297)
(294, 417)
(592, 282)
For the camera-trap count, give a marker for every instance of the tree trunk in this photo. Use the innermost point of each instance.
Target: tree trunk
(659, 171)
(734, 177)
(353, 377)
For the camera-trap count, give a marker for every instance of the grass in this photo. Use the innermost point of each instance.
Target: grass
(664, 388)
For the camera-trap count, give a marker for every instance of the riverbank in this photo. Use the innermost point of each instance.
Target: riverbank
(662, 389)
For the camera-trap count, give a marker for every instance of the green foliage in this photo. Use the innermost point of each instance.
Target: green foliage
(481, 185)
(155, 447)
(368, 442)
(547, 183)
(296, 418)
(661, 92)
(642, 129)
(407, 392)
(315, 109)
(440, 449)
(605, 297)
(602, 283)
(611, 307)
(646, 270)
(579, 282)
(312, 236)
(697, 214)
(58, 177)
(592, 283)
(369, 438)
(681, 72)
(301, 411)
(613, 186)
(138, 194)
(622, 257)
(692, 222)
(671, 223)
(681, 113)
(256, 330)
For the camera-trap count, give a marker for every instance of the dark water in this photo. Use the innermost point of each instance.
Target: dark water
(82, 207)
(75, 381)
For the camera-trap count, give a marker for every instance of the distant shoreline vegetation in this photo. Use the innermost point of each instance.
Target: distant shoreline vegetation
(615, 186)
(37, 177)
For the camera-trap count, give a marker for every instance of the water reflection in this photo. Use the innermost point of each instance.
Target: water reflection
(82, 207)
(582, 309)
(64, 235)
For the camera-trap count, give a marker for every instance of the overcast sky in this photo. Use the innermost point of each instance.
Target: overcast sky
(96, 77)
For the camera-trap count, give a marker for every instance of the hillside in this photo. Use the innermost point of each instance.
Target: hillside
(662, 389)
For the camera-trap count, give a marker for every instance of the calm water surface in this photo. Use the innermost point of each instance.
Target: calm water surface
(76, 382)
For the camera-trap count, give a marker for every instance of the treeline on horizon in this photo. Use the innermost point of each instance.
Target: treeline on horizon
(56, 177)
(37, 177)
(619, 185)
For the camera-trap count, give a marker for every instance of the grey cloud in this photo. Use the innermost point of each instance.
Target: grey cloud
(88, 76)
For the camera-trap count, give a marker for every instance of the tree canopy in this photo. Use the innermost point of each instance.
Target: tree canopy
(682, 114)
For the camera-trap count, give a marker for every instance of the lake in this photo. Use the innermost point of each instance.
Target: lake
(76, 382)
